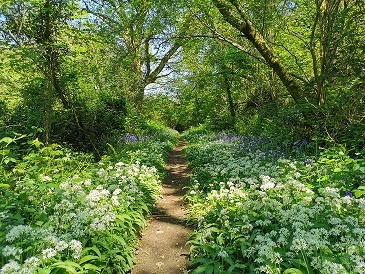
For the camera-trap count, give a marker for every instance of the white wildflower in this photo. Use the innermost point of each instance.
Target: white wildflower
(330, 192)
(10, 268)
(32, 261)
(332, 268)
(61, 245)
(224, 211)
(49, 253)
(12, 251)
(18, 232)
(284, 235)
(335, 221)
(352, 221)
(117, 191)
(115, 201)
(87, 182)
(267, 186)
(298, 245)
(76, 247)
(45, 178)
(222, 254)
(65, 185)
(316, 263)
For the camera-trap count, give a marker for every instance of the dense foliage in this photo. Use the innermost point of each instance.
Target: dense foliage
(81, 79)
(262, 207)
(60, 211)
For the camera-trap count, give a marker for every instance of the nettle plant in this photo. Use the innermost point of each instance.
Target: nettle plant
(257, 212)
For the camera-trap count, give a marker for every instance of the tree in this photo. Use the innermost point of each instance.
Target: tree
(144, 35)
(32, 28)
(234, 13)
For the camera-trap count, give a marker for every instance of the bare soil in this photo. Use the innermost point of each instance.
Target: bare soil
(162, 248)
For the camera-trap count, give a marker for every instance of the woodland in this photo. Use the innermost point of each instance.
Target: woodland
(268, 94)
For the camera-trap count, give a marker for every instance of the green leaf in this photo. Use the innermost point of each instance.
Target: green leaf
(358, 193)
(119, 239)
(200, 269)
(236, 266)
(345, 259)
(10, 159)
(201, 261)
(292, 271)
(43, 271)
(6, 140)
(88, 258)
(39, 223)
(91, 267)
(93, 248)
(228, 260)
(66, 265)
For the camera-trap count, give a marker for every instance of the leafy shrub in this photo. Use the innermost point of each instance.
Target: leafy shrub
(263, 209)
(148, 149)
(61, 212)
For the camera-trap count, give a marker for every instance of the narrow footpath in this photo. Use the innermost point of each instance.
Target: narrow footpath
(162, 248)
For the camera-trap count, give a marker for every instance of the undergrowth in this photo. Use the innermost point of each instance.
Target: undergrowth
(63, 213)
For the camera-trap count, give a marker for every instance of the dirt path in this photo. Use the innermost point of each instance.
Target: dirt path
(162, 248)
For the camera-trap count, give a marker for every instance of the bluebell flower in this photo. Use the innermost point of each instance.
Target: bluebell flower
(307, 161)
(129, 138)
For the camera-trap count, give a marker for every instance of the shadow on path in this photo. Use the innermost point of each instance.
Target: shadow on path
(162, 248)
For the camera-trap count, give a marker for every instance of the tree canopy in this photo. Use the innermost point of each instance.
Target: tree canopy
(83, 69)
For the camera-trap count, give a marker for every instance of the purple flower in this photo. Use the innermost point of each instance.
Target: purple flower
(307, 162)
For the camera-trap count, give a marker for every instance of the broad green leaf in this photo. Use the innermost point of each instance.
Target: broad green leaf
(93, 248)
(67, 265)
(200, 269)
(88, 258)
(43, 271)
(91, 267)
(7, 140)
(236, 266)
(292, 271)
(201, 261)
(69, 268)
(358, 193)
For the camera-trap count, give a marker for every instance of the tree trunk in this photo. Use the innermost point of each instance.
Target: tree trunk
(228, 90)
(51, 56)
(239, 21)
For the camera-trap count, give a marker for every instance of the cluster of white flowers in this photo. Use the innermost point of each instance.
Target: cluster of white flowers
(85, 207)
(19, 232)
(12, 251)
(222, 254)
(49, 253)
(280, 217)
(267, 182)
(10, 268)
(45, 178)
(76, 247)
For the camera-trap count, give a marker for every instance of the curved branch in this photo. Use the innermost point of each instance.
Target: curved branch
(239, 21)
